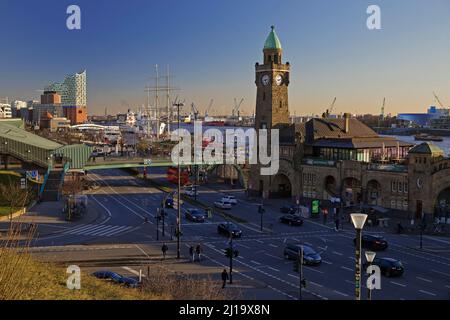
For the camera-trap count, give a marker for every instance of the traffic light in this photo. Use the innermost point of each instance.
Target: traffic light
(303, 282)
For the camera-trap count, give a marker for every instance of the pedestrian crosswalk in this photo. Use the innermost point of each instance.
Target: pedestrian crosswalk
(98, 230)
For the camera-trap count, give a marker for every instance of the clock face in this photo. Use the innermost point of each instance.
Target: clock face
(279, 79)
(265, 80)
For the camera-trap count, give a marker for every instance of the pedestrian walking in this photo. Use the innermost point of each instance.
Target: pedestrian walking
(192, 253)
(325, 215)
(337, 219)
(164, 249)
(224, 278)
(198, 250)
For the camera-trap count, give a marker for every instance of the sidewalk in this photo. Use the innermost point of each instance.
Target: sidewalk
(49, 219)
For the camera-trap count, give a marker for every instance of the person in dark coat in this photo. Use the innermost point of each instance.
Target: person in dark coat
(164, 249)
(224, 278)
(191, 253)
(198, 250)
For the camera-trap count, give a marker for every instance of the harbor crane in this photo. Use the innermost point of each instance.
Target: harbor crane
(194, 111)
(329, 111)
(438, 100)
(236, 111)
(209, 107)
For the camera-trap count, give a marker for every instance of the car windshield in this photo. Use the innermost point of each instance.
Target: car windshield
(195, 212)
(115, 276)
(308, 251)
(231, 226)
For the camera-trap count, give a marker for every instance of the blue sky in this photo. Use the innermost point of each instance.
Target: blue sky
(212, 46)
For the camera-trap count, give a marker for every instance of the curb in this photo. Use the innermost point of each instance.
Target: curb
(16, 214)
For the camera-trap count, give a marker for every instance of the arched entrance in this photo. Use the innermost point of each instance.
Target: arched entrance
(374, 193)
(351, 192)
(442, 206)
(281, 186)
(330, 187)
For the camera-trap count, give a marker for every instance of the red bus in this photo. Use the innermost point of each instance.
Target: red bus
(172, 175)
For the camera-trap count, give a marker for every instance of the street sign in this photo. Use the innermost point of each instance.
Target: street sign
(147, 162)
(32, 175)
(23, 183)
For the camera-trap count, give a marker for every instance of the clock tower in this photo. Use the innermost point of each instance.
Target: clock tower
(272, 81)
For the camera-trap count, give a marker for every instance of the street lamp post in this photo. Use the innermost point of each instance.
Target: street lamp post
(300, 272)
(178, 105)
(231, 258)
(370, 255)
(157, 226)
(358, 220)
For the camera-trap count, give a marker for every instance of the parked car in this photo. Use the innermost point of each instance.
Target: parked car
(230, 199)
(373, 242)
(229, 229)
(222, 204)
(388, 266)
(191, 192)
(288, 209)
(310, 257)
(292, 220)
(116, 278)
(194, 215)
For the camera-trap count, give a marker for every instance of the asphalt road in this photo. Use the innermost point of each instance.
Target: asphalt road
(260, 270)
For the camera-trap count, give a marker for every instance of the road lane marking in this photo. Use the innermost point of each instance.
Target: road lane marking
(345, 268)
(439, 272)
(273, 246)
(271, 255)
(316, 284)
(308, 243)
(398, 284)
(423, 279)
(327, 262)
(340, 293)
(293, 276)
(448, 287)
(312, 269)
(274, 269)
(259, 241)
(338, 253)
(428, 293)
(255, 262)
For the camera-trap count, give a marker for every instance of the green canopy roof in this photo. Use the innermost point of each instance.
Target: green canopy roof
(272, 41)
(427, 148)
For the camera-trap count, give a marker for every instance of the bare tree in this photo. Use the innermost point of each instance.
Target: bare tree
(14, 196)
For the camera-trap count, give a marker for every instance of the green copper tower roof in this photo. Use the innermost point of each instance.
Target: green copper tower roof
(272, 41)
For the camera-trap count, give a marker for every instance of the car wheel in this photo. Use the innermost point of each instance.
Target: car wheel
(387, 273)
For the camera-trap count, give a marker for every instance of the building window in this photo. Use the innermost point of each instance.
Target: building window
(400, 187)
(424, 160)
(405, 189)
(394, 186)
(264, 95)
(281, 104)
